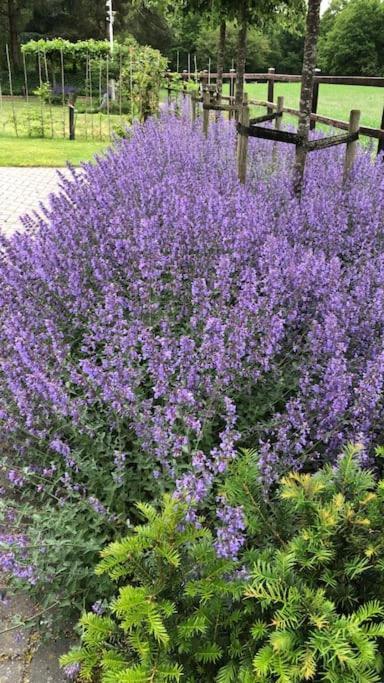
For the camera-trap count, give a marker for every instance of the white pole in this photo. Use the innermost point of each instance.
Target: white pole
(111, 20)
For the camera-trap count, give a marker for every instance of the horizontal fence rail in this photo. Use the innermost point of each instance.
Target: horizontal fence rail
(376, 133)
(205, 77)
(371, 81)
(247, 127)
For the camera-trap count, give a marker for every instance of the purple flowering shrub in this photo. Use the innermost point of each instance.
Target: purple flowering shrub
(161, 315)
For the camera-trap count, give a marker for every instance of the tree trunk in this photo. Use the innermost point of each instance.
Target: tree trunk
(14, 47)
(221, 55)
(241, 51)
(307, 79)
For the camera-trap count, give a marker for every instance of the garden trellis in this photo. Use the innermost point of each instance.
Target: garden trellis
(64, 89)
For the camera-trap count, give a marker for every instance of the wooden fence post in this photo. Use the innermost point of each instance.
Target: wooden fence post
(204, 81)
(380, 147)
(169, 88)
(315, 98)
(278, 121)
(207, 102)
(350, 152)
(231, 91)
(194, 107)
(271, 87)
(242, 145)
(185, 78)
(71, 109)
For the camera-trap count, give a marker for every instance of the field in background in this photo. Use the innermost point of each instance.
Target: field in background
(335, 101)
(93, 131)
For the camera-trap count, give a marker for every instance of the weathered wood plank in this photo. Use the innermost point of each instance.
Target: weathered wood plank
(371, 81)
(242, 145)
(350, 152)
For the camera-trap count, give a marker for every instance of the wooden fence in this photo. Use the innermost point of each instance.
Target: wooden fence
(271, 77)
(250, 127)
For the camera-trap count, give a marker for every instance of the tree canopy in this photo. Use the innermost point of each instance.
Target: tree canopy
(351, 37)
(352, 40)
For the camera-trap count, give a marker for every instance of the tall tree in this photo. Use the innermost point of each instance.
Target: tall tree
(221, 54)
(13, 16)
(13, 31)
(243, 19)
(307, 79)
(258, 13)
(354, 41)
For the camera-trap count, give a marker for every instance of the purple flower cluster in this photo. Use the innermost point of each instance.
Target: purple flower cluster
(72, 671)
(230, 534)
(195, 315)
(14, 557)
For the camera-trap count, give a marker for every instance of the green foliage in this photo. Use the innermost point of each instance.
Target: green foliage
(64, 539)
(258, 46)
(307, 605)
(63, 544)
(142, 76)
(177, 616)
(352, 40)
(44, 91)
(141, 68)
(272, 44)
(77, 50)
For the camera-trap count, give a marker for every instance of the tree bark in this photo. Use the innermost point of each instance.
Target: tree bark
(14, 47)
(307, 79)
(241, 51)
(221, 55)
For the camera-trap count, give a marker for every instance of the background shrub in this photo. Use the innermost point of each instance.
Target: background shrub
(303, 602)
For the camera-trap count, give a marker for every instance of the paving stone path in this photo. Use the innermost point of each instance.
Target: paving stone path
(24, 658)
(21, 191)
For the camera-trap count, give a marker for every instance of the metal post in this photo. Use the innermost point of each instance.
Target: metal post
(111, 20)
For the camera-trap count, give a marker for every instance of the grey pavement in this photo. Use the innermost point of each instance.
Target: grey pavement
(21, 191)
(24, 658)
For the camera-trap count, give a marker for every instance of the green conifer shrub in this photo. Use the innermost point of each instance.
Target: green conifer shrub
(303, 602)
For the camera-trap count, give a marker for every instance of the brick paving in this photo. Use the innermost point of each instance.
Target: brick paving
(21, 191)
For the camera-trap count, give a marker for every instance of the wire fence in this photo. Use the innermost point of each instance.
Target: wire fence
(44, 101)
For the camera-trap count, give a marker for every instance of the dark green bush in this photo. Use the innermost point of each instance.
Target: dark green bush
(304, 602)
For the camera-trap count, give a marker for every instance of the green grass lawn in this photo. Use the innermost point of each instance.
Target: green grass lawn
(40, 137)
(335, 101)
(55, 152)
(93, 131)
